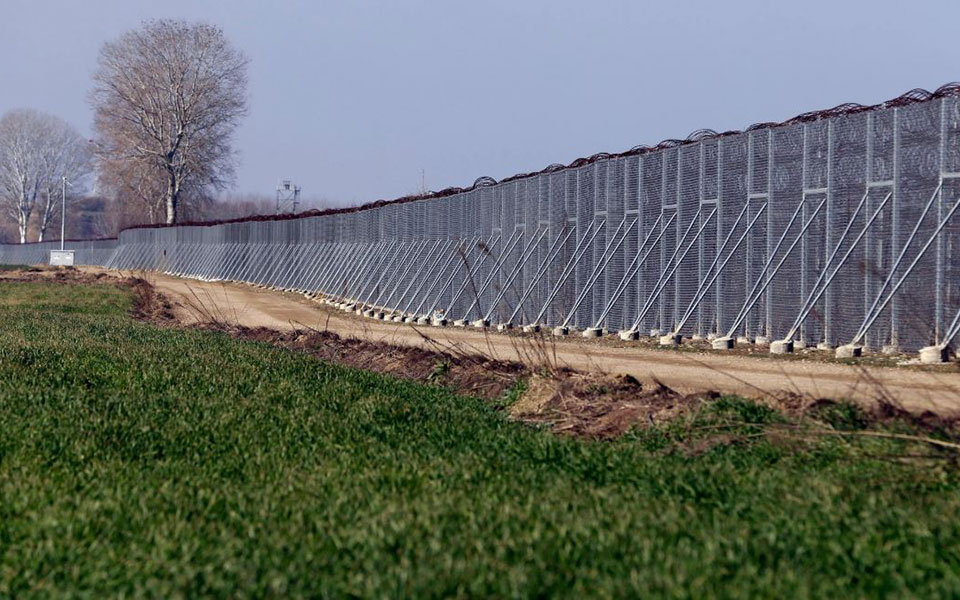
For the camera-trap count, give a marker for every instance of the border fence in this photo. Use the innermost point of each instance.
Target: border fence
(836, 228)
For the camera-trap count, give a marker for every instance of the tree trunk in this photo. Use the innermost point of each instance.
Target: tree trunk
(173, 197)
(23, 217)
(46, 217)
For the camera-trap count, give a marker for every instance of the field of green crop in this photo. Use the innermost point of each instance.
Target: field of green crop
(142, 461)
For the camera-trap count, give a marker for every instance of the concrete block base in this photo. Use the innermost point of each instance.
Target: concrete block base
(504, 326)
(712, 336)
(849, 351)
(460, 323)
(369, 313)
(781, 347)
(423, 320)
(561, 331)
(481, 323)
(409, 319)
(398, 318)
(671, 339)
(630, 335)
(531, 329)
(592, 332)
(438, 322)
(932, 355)
(744, 340)
(825, 346)
(761, 340)
(722, 343)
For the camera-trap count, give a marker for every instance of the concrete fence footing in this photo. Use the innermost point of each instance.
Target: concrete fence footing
(781, 347)
(932, 355)
(849, 351)
(722, 343)
(671, 339)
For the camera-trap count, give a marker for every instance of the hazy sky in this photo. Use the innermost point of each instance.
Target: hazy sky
(353, 98)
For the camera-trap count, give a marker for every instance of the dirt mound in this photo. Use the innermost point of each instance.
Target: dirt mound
(467, 374)
(55, 274)
(569, 402)
(599, 406)
(149, 304)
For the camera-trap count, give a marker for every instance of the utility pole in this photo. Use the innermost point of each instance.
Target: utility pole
(63, 209)
(62, 257)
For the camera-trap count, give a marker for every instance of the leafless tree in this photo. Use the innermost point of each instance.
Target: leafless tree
(70, 160)
(137, 187)
(167, 98)
(36, 151)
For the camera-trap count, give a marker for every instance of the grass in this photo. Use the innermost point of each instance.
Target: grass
(139, 461)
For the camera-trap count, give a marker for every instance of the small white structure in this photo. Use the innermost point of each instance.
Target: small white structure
(61, 258)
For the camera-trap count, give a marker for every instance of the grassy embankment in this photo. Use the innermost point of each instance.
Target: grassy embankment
(138, 460)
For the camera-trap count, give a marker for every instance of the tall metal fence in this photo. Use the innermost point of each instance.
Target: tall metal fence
(834, 228)
(90, 252)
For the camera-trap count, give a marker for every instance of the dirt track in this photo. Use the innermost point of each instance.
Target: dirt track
(686, 372)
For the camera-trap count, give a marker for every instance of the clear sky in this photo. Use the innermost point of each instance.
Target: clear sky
(352, 99)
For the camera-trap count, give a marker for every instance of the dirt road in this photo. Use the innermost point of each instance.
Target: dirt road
(684, 371)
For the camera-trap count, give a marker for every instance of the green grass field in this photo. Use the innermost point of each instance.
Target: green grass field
(141, 461)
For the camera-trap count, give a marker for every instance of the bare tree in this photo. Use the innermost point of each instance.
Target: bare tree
(36, 151)
(70, 159)
(168, 97)
(139, 188)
